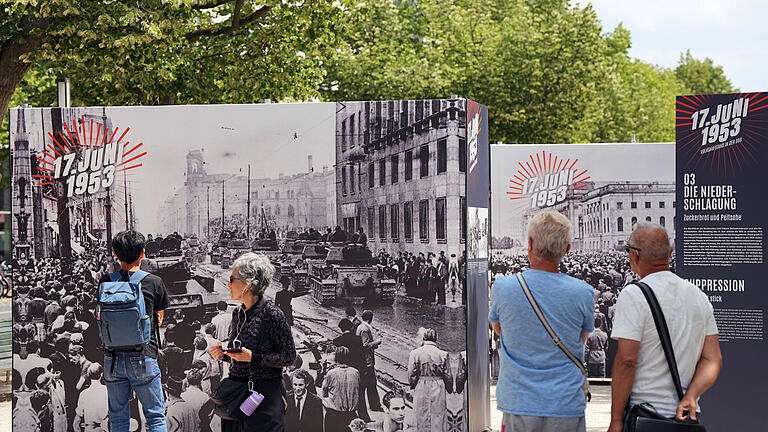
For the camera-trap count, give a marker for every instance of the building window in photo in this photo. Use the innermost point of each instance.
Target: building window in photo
(371, 218)
(343, 135)
(440, 220)
(394, 222)
(424, 161)
(343, 180)
(442, 155)
(371, 174)
(382, 172)
(408, 165)
(395, 166)
(352, 179)
(408, 221)
(424, 220)
(382, 222)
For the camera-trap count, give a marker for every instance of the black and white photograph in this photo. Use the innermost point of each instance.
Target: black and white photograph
(603, 189)
(478, 232)
(358, 206)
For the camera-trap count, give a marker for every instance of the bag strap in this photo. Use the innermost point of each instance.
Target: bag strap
(663, 330)
(137, 276)
(546, 325)
(115, 277)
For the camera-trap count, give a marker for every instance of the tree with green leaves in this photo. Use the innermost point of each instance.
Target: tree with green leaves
(702, 76)
(168, 51)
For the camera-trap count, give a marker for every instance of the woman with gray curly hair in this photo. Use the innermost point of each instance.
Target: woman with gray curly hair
(260, 344)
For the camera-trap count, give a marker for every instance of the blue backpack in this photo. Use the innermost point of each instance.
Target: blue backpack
(123, 321)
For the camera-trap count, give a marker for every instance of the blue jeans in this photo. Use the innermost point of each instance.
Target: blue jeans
(132, 370)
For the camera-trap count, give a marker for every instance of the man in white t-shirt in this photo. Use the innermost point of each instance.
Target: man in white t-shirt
(640, 371)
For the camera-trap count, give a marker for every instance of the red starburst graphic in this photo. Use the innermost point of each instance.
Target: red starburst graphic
(698, 143)
(90, 136)
(545, 163)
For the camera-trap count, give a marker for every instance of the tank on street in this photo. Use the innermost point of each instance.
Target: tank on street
(349, 275)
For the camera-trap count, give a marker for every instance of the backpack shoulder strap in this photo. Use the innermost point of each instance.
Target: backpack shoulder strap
(138, 276)
(115, 277)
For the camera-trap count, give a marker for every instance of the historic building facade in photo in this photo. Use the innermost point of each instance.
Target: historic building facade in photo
(401, 173)
(603, 216)
(297, 201)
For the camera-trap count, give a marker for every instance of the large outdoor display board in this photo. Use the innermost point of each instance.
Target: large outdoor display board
(603, 189)
(721, 213)
(208, 183)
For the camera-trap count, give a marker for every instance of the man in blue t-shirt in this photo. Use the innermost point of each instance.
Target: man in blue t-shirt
(539, 387)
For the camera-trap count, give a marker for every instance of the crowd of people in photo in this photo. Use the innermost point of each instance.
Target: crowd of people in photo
(607, 272)
(57, 370)
(59, 362)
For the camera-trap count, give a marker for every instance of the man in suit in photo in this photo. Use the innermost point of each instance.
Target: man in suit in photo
(304, 412)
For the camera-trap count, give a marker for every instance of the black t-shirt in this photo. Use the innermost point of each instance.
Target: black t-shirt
(155, 299)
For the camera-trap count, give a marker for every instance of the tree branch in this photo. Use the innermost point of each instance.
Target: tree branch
(197, 34)
(42, 23)
(212, 5)
(236, 18)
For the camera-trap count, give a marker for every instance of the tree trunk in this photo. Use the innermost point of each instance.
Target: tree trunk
(12, 70)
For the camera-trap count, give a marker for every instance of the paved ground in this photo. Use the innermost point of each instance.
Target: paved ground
(5, 387)
(5, 416)
(598, 413)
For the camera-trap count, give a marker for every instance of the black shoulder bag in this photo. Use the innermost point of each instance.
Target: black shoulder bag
(230, 393)
(555, 339)
(643, 417)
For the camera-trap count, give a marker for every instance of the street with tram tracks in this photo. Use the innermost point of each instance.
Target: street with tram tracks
(396, 325)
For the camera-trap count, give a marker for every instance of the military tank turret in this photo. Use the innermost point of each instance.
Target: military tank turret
(187, 290)
(350, 275)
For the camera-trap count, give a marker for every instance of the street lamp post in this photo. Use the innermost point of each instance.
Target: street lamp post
(222, 206)
(108, 217)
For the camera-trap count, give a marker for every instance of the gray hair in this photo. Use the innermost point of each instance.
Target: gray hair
(255, 270)
(652, 240)
(551, 235)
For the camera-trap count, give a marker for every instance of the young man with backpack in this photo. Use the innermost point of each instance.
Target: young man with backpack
(131, 303)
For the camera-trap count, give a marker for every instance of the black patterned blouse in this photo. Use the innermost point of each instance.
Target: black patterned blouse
(267, 334)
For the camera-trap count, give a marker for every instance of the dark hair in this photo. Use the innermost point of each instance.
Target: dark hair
(351, 311)
(302, 374)
(367, 315)
(345, 325)
(392, 395)
(128, 245)
(194, 377)
(33, 346)
(221, 305)
(341, 355)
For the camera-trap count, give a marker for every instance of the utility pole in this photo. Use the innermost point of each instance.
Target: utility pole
(108, 216)
(208, 225)
(248, 210)
(222, 206)
(125, 199)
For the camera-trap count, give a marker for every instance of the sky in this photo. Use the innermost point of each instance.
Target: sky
(275, 139)
(732, 33)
